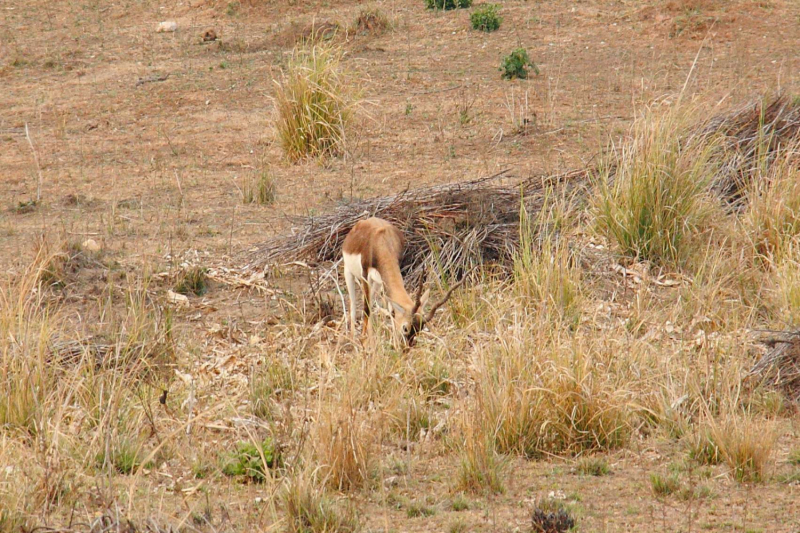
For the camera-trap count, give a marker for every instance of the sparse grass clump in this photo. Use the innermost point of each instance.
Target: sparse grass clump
(192, 280)
(664, 485)
(459, 503)
(124, 454)
(448, 4)
(534, 399)
(481, 468)
(260, 188)
(345, 446)
(309, 509)
(743, 443)
(417, 508)
(272, 381)
(592, 466)
(515, 65)
(549, 280)
(315, 104)
(371, 21)
(253, 461)
(652, 199)
(486, 18)
(773, 213)
(794, 457)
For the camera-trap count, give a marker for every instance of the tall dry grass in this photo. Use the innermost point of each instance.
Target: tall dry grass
(72, 405)
(315, 103)
(652, 197)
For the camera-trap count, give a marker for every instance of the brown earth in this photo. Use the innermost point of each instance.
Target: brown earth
(152, 168)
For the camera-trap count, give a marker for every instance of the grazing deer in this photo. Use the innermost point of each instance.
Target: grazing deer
(372, 252)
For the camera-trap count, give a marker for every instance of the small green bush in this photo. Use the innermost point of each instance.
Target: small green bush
(252, 461)
(447, 4)
(515, 65)
(485, 18)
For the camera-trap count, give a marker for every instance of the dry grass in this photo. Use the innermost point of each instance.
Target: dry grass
(315, 102)
(652, 199)
(745, 444)
(310, 509)
(344, 446)
(772, 219)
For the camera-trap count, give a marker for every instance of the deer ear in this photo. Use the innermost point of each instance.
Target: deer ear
(424, 298)
(397, 307)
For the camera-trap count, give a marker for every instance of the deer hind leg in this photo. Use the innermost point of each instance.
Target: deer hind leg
(367, 305)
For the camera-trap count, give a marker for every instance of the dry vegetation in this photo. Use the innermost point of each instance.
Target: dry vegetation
(171, 362)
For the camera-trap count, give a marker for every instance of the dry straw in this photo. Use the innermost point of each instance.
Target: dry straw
(315, 103)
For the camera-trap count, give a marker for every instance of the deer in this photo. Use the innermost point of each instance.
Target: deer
(371, 254)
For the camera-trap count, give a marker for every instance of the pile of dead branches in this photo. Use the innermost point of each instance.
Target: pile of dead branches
(456, 226)
(752, 137)
(451, 227)
(780, 366)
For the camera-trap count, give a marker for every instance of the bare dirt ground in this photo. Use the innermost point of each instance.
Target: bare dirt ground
(152, 170)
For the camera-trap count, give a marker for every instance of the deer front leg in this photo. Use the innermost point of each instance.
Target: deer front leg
(350, 280)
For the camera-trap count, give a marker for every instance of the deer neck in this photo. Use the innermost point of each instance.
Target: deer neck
(393, 283)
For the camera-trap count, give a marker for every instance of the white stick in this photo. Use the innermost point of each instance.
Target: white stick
(36, 160)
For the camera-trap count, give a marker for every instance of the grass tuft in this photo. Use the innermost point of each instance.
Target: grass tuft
(344, 448)
(652, 198)
(315, 104)
(743, 443)
(772, 219)
(371, 21)
(481, 468)
(192, 280)
(593, 466)
(309, 509)
(664, 485)
(260, 188)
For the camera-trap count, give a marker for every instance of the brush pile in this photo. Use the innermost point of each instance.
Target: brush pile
(452, 227)
(752, 138)
(779, 368)
(457, 226)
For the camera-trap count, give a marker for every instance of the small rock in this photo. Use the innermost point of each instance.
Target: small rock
(175, 298)
(167, 26)
(209, 35)
(90, 245)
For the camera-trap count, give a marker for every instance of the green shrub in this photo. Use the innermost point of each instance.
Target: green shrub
(485, 18)
(515, 65)
(252, 461)
(447, 4)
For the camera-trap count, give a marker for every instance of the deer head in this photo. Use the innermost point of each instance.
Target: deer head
(409, 324)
